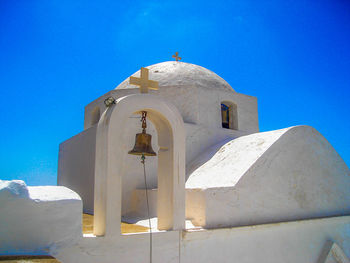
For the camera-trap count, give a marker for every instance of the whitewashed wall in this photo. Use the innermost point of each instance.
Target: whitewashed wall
(34, 220)
(76, 165)
(276, 176)
(307, 241)
(47, 220)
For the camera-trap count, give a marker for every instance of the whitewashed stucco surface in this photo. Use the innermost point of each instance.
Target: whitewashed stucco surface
(30, 228)
(36, 219)
(275, 176)
(171, 73)
(76, 166)
(225, 163)
(305, 241)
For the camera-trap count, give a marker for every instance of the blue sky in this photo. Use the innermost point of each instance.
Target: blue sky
(57, 56)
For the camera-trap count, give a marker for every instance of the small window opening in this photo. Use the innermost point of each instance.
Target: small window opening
(229, 115)
(95, 115)
(225, 116)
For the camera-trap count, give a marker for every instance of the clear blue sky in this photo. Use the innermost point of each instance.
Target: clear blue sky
(57, 56)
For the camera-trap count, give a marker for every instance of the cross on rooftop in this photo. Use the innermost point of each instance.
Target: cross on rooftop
(144, 82)
(176, 56)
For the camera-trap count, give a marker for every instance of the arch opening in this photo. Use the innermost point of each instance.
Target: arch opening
(111, 155)
(134, 217)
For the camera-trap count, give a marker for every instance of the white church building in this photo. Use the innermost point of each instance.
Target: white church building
(217, 190)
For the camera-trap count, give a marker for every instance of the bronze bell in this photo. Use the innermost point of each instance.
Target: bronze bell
(143, 144)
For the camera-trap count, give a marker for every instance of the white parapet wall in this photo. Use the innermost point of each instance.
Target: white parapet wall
(305, 241)
(47, 220)
(34, 220)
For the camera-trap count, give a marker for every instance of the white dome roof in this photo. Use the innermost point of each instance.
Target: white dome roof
(173, 73)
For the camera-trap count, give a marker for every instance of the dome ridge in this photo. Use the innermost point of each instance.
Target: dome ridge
(175, 73)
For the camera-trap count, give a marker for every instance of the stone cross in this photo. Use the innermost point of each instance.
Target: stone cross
(144, 82)
(176, 56)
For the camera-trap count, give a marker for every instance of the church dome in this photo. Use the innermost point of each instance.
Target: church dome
(174, 73)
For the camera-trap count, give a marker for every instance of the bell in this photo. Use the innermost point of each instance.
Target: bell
(143, 145)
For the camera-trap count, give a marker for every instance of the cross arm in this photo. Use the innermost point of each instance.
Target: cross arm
(134, 81)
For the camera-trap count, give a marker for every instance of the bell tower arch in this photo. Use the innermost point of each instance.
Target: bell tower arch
(110, 166)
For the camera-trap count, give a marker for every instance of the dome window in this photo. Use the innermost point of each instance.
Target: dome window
(229, 115)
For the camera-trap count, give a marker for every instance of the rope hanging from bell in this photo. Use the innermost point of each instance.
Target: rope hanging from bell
(143, 147)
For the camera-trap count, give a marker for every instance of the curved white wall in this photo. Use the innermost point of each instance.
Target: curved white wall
(269, 177)
(35, 219)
